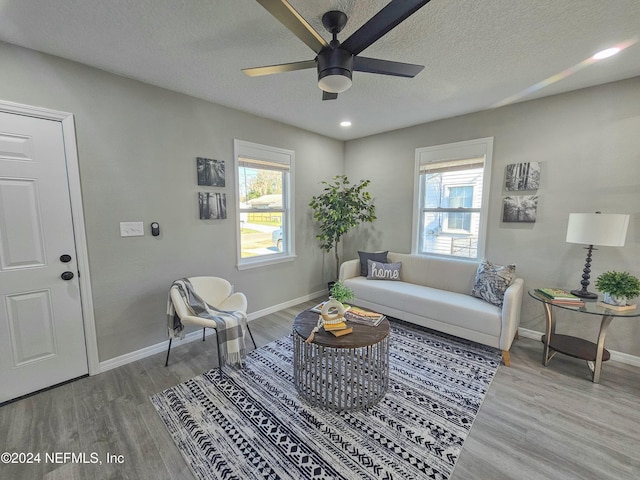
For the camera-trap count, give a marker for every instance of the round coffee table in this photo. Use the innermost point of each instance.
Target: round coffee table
(340, 373)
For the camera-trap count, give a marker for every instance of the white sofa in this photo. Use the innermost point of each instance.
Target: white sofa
(436, 293)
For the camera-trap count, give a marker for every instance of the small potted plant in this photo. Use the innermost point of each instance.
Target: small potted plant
(341, 292)
(618, 287)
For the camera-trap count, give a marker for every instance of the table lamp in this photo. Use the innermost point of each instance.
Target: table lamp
(602, 229)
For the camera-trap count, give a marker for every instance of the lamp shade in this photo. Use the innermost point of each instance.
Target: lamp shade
(604, 229)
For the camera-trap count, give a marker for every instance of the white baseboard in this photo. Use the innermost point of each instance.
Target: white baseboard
(615, 356)
(193, 336)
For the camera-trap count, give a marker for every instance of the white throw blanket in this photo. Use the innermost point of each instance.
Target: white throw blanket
(230, 324)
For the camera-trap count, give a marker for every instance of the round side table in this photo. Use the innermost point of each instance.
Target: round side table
(340, 373)
(593, 353)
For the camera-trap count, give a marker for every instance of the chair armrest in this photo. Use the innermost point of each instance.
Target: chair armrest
(181, 308)
(511, 313)
(349, 269)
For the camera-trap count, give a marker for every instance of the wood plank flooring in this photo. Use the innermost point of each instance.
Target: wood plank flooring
(536, 423)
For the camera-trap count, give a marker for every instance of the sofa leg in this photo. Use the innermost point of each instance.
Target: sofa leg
(506, 358)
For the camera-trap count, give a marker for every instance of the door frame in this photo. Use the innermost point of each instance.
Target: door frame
(67, 122)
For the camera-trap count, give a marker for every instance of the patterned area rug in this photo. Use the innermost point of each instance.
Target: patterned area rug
(250, 423)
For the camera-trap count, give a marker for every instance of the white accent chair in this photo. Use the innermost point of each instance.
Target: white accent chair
(218, 293)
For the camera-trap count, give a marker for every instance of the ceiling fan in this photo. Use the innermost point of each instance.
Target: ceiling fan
(336, 61)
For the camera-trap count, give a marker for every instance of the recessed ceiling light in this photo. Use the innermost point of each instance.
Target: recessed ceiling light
(609, 52)
(346, 123)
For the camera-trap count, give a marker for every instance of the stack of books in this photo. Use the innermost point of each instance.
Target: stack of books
(363, 317)
(558, 296)
(338, 329)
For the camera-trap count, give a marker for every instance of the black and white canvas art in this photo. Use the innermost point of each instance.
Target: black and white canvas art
(213, 206)
(210, 172)
(520, 208)
(522, 176)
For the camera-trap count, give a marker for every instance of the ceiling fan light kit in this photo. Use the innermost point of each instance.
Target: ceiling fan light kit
(336, 61)
(334, 70)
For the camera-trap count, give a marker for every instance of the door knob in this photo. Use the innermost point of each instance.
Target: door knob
(67, 276)
(65, 258)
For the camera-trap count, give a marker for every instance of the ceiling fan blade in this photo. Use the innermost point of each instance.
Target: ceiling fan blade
(382, 22)
(386, 67)
(329, 96)
(283, 67)
(290, 18)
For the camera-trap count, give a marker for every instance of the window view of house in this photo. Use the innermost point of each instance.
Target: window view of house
(451, 207)
(451, 184)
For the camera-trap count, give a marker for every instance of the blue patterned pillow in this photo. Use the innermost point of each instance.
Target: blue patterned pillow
(492, 281)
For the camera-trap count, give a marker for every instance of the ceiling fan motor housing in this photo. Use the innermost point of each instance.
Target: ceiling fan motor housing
(334, 61)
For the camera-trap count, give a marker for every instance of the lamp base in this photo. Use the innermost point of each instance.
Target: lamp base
(584, 294)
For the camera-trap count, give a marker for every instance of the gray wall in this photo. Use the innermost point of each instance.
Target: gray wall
(137, 146)
(588, 142)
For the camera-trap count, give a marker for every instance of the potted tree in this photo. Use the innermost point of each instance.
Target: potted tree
(341, 207)
(618, 287)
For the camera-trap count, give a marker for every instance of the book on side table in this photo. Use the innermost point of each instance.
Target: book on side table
(559, 296)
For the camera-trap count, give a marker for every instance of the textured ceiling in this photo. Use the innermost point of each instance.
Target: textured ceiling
(477, 54)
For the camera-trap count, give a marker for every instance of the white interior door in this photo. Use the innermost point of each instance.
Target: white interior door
(42, 339)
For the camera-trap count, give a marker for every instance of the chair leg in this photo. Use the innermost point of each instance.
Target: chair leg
(168, 351)
(219, 353)
(251, 335)
(203, 330)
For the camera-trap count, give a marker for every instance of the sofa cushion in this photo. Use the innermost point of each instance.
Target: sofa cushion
(453, 308)
(492, 281)
(383, 271)
(375, 256)
(449, 274)
(384, 292)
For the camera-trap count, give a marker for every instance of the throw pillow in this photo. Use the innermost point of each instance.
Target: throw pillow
(492, 281)
(375, 256)
(383, 271)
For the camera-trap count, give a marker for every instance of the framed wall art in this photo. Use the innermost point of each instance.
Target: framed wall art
(210, 172)
(520, 208)
(213, 206)
(522, 176)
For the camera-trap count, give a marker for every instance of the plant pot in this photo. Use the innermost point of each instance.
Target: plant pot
(614, 299)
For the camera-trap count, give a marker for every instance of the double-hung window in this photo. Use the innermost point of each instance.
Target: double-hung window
(451, 197)
(264, 200)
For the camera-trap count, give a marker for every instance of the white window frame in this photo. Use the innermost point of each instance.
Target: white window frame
(448, 229)
(256, 151)
(481, 147)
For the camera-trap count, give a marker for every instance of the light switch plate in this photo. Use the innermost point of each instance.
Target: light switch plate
(131, 229)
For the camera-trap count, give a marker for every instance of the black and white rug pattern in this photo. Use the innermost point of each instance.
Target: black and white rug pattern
(250, 424)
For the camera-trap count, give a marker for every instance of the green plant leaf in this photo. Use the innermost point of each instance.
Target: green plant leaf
(620, 284)
(339, 209)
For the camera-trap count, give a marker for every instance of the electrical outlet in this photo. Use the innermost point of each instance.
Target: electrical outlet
(131, 229)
